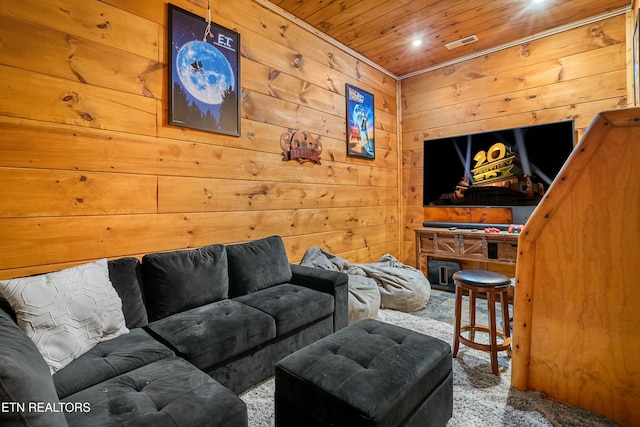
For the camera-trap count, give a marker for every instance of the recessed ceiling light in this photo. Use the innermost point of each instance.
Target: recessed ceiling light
(416, 42)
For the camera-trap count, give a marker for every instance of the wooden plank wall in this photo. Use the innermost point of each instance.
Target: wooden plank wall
(90, 167)
(571, 75)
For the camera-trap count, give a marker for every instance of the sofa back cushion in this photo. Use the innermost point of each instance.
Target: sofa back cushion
(24, 379)
(6, 307)
(257, 265)
(179, 280)
(126, 275)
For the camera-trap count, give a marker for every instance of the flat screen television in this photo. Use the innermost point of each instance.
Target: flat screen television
(540, 151)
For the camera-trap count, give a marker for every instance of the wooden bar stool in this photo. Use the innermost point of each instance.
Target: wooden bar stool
(493, 285)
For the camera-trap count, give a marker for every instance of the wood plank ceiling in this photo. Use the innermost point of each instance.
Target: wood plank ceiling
(383, 30)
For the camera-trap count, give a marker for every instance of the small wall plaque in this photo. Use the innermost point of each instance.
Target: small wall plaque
(301, 146)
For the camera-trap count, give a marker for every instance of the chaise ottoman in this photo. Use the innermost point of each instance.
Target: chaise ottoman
(368, 374)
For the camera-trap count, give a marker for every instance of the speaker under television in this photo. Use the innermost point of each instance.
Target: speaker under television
(440, 274)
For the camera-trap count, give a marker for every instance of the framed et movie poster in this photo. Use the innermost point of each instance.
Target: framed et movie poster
(360, 123)
(204, 74)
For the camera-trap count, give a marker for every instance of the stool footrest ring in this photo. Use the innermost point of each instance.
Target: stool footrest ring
(504, 345)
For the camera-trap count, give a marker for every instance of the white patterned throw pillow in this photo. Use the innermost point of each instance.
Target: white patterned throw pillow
(67, 312)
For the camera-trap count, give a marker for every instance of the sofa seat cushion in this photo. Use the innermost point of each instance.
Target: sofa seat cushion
(291, 306)
(24, 379)
(213, 333)
(110, 359)
(169, 392)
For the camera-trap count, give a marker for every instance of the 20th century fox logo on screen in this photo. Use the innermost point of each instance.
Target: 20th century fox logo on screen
(15, 407)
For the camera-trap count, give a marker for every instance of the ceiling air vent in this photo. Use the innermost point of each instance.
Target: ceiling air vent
(462, 42)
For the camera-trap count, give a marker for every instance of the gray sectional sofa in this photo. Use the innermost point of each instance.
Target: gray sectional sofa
(203, 325)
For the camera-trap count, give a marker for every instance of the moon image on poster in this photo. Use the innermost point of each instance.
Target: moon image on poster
(203, 71)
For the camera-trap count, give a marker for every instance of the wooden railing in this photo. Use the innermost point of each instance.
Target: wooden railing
(577, 299)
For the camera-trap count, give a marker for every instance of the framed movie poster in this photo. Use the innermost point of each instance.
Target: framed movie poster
(204, 74)
(361, 140)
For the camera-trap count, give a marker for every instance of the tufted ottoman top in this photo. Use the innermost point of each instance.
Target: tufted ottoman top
(369, 373)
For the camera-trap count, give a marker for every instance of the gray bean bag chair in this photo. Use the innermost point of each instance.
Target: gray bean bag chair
(364, 296)
(385, 283)
(401, 286)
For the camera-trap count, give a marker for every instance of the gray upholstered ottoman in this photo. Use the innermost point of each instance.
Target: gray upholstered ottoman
(368, 374)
